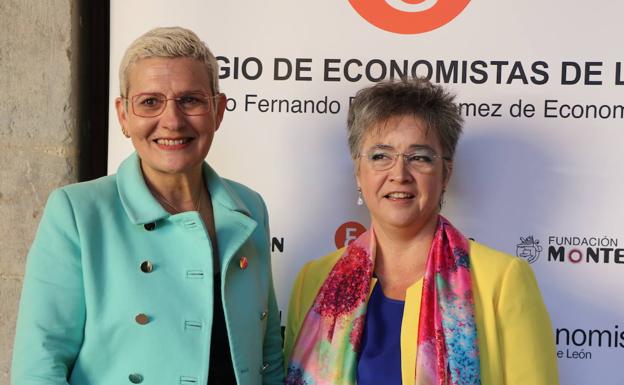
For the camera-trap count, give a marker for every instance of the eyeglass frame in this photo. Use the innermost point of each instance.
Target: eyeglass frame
(395, 157)
(166, 100)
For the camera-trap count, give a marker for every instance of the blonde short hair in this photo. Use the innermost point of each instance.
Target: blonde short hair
(169, 42)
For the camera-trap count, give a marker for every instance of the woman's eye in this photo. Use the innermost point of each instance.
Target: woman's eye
(419, 158)
(149, 102)
(379, 156)
(189, 100)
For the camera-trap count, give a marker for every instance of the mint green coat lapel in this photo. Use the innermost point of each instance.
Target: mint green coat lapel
(139, 203)
(232, 218)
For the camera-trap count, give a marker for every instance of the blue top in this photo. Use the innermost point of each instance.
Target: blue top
(380, 355)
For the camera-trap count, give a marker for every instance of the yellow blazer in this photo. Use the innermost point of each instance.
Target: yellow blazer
(516, 340)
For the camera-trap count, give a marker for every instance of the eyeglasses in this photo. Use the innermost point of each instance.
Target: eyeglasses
(422, 161)
(150, 105)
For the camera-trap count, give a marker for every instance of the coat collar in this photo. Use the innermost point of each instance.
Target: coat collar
(141, 206)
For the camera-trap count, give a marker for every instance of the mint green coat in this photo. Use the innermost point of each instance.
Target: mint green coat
(84, 288)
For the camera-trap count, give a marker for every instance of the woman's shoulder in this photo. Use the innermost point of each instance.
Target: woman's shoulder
(481, 252)
(96, 190)
(312, 275)
(69, 206)
(493, 268)
(317, 270)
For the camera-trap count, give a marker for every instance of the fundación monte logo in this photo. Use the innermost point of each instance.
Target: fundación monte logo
(409, 16)
(528, 248)
(573, 249)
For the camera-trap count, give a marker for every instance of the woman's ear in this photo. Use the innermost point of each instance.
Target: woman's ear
(221, 102)
(447, 172)
(122, 115)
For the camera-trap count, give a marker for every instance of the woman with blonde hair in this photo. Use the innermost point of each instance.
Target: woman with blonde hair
(161, 273)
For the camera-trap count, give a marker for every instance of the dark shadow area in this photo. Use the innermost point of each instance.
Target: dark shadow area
(93, 34)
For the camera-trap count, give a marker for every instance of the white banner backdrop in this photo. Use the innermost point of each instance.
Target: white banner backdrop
(538, 170)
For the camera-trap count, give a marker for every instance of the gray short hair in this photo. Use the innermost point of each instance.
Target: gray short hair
(170, 42)
(375, 105)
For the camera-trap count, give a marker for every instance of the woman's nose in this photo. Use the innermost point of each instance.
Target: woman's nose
(400, 170)
(172, 118)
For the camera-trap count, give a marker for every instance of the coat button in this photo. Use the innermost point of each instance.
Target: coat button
(147, 267)
(264, 314)
(149, 226)
(141, 319)
(135, 378)
(242, 262)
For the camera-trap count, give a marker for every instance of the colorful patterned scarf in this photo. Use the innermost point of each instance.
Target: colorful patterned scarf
(326, 350)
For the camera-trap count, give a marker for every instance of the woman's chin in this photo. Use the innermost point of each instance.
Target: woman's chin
(409, 223)
(171, 166)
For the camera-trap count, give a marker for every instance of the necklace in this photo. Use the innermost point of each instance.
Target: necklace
(164, 200)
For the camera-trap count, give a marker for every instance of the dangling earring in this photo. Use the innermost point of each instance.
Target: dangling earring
(360, 201)
(124, 132)
(442, 199)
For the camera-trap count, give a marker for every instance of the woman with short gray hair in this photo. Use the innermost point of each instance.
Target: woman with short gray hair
(412, 300)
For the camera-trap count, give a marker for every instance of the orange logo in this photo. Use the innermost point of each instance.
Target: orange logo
(347, 233)
(409, 16)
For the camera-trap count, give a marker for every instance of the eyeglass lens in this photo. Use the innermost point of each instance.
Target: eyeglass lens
(421, 160)
(153, 104)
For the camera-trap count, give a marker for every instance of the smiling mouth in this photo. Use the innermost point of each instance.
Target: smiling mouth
(172, 142)
(399, 195)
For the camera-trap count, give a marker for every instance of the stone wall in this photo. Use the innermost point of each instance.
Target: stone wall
(38, 131)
